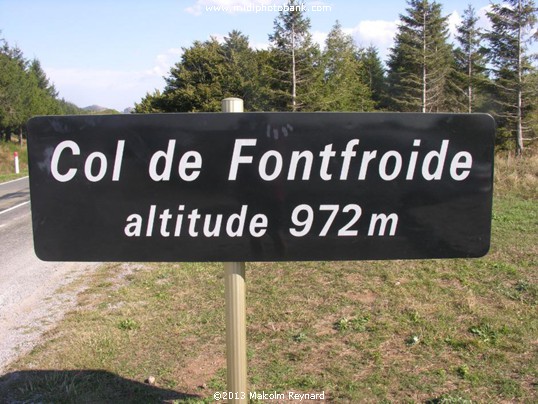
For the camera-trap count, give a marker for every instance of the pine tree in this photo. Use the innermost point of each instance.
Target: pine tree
(470, 60)
(373, 74)
(264, 81)
(151, 103)
(421, 61)
(237, 57)
(208, 72)
(42, 79)
(10, 79)
(512, 23)
(295, 64)
(195, 83)
(25, 91)
(68, 108)
(343, 89)
(244, 77)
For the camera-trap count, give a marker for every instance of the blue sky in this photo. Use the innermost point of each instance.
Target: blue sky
(111, 52)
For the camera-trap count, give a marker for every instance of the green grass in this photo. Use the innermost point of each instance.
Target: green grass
(430, 331)
(7, 166)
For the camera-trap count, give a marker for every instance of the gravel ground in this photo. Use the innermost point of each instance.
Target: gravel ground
(29, 300)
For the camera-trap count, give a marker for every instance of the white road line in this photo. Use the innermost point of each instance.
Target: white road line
(14, 207)
(9, 182)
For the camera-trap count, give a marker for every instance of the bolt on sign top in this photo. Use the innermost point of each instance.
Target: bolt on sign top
(261, 186)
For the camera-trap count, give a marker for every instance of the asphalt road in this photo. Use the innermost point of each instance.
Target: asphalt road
(14, 193)
(29, 301)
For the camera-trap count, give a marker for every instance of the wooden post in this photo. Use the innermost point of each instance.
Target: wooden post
(236, 318)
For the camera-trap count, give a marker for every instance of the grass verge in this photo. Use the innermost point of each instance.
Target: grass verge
(437, 331)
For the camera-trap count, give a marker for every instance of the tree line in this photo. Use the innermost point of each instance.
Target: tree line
(483, 71)
(25, 91)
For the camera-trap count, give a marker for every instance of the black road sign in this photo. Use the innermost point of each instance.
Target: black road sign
(261, 186)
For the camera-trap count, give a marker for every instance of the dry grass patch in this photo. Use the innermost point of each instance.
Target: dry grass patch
(517, 176)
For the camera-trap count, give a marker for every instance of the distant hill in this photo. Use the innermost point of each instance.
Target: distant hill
(97, 109)
(94, 108)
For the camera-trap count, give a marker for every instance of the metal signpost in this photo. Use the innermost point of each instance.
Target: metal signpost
(236, 187)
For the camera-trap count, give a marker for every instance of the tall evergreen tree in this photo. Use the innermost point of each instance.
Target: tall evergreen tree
(25, 91)
(151, 103)
(42, 79)
(195, 83)
(343, 88)
(512, 30)
(373, 74)
(264, 81)
(208, 72)
(13, 53)
(11, 78)
(244, 74)
(470, 60)
(421, 61)
(238, 58)
(295, 64)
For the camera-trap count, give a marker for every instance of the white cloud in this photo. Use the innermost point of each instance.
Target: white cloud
(454, 19)
(379, 33)
(483, 21)
(116, 89)
(320, 38)
(164, 61)
(254, 45)
(259, 45)
(95, 78)
(229, 6)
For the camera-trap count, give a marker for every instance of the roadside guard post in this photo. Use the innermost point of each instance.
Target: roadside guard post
(16, 161)
(239, 187)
